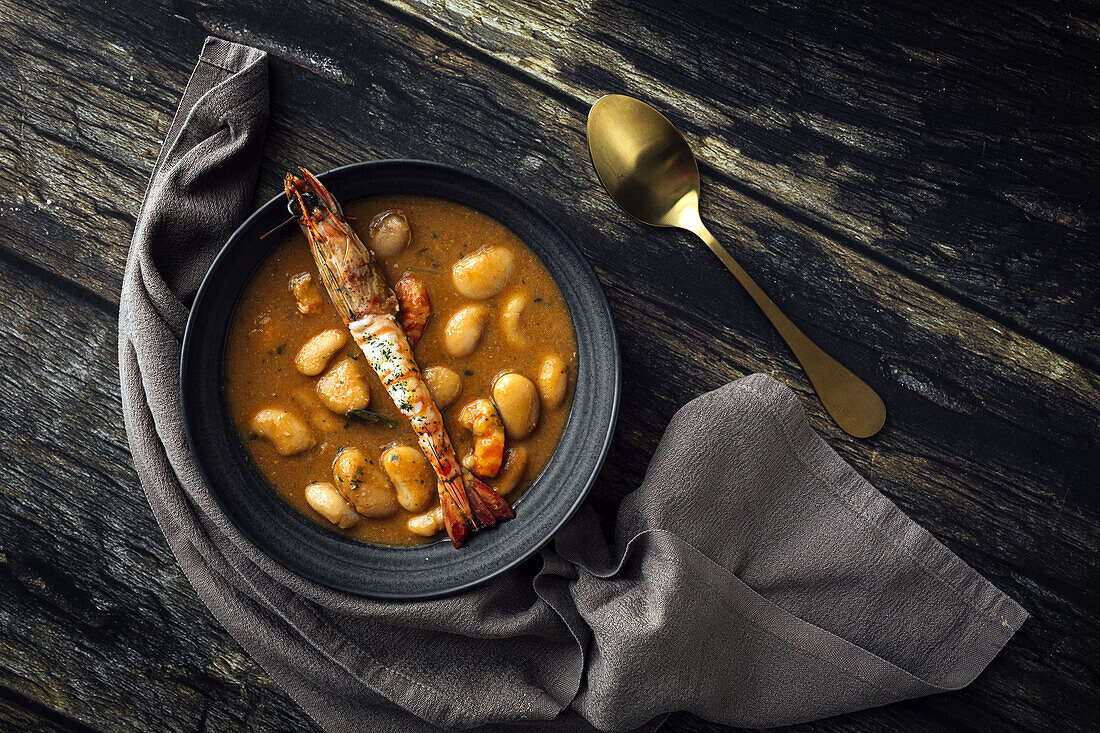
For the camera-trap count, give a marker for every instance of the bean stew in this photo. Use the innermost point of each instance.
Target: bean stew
(498, 353)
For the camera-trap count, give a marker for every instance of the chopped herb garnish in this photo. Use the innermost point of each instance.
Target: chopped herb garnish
(538, 300)
(371, 418)
(422, 250)
(353, 356)
(469, 372)
(279, 348)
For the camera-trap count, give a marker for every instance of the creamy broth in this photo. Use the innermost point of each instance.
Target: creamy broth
(268, 330)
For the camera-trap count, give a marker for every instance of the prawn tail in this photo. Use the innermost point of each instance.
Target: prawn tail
(456, 525)
(483, 515)
(501, 510)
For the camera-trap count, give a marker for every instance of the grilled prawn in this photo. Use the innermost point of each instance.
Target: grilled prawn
(370, 309)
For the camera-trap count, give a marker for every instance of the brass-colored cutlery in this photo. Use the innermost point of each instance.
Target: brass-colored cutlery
(647, 167)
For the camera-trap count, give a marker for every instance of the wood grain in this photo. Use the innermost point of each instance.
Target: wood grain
(993, 407)
(98, 621)
(21, 714)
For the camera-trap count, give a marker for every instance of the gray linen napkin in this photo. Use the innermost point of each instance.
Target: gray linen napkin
(755, 578)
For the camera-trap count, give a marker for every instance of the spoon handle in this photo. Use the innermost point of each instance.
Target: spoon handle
(857, 408)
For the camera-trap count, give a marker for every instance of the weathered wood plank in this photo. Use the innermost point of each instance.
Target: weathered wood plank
(946, 143)
(99, 622)
(80, 145)
(989, 438)
(18, 714)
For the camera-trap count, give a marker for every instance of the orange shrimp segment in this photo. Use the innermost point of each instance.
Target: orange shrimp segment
(480, 418)
(416, 308)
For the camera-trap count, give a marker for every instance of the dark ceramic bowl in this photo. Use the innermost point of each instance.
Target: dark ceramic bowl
(377, 570)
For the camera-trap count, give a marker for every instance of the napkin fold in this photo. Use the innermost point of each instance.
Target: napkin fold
(754, 578)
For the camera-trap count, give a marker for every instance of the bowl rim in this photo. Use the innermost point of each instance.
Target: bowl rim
(187, 356)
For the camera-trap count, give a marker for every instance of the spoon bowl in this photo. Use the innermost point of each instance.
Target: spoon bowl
(642, 160)
(648, 168)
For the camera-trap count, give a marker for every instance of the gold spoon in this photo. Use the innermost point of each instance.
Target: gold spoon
(647, 167)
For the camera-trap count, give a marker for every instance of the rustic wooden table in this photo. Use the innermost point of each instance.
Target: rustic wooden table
(917, 188)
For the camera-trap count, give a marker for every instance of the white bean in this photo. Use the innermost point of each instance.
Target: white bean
(510, 316)
(552, 381)
(286, 431)
(363, 484)
(517, 401)
(326, 501)
(389, 233)
(412, 476)
(444, 384)
(464, 330)
(426, 524)
(515, 465)
(315, 353)
(343, 388)
(484, 273)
